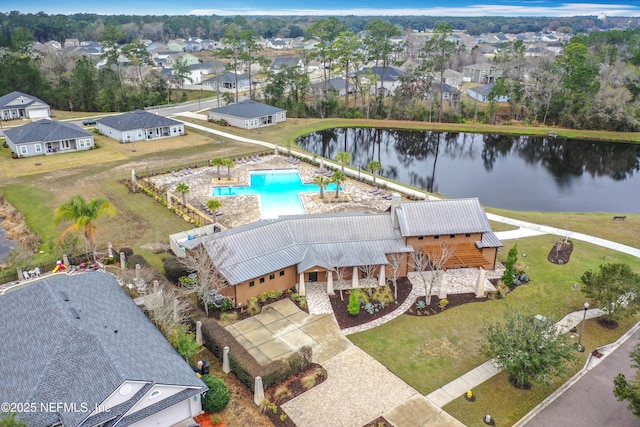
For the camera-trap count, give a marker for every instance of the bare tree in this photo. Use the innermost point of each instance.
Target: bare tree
(368, 271)
(167, 310)
(341, 273)
(208, 278)
(431, 260)
(395, 262)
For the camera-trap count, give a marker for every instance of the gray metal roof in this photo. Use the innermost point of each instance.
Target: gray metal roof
(489, 240)
(436, 217)
(8, 100)
(138, 119)
(45, 130)
(247, 109)
(51, 356)
(336, 240)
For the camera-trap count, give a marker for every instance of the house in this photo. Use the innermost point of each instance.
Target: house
(298, 249)
(289, 62)
(387, 77)
(453, 77)
(176, 45)
(93, 351)
(338, 85)
(197, 71)
(139, 125)
(18, 105)
(482, 93)
(228, 80)
(482, 73)
(47, 137)
(276, 43)
(249, 114)
(449, 93)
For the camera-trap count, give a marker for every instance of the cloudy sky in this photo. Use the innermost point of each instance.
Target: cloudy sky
(333, 7)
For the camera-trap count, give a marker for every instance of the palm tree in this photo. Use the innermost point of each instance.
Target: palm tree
(214, 205)
(322, 182)
(229, 164)
(338, 178)
(374, 166)
(183, 189)
(83, 214)
(343, 158)
(218, 162)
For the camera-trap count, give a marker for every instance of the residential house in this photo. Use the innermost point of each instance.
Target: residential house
(18, 105)
(288, 62)
(193, 45)
(453, 77)
(482, 73)
(139, 125)
(176, 45)
(249, 114)
(482, 93)
(555, 48)
(298, 249)
(276, 43)
(228, 80)
(91, 358)
(387, 77)
(449, 93)
(71, 43)
(201, 69)
(338, 85)
(47, 137)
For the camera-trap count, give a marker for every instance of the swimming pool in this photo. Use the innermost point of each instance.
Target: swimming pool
(278, 190)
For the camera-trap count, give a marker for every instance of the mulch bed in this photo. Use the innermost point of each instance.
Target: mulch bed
(434, 308)
(345, 320)
(379, 422)
(560, 252)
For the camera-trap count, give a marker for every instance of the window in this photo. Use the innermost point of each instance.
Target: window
(452, 236)
(24, 150)
(139, 134)
(127, 136)
(252, 283)
(38, 148)
(154, 394)
(467, 235)
(436, 237)
(421, 237)
(272, 276)
(281, 272)
(65, 145)
(262, 280)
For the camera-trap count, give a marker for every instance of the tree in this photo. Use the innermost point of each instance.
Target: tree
(213, 205)
(612, 288)
(433, 261)
(326, 30)
(509, 273)
(137, 53)
(629, 390)
(338, 178)
(217, 397)
(395, 263)
(322, 182)
(9, 420)
(380, 46)
(182, 189)
(343, 158)
(184, 342)
(435, 55)
(229, 164)
(346, 51)
(83, 214)
(218, 162)
(110, 40)
(181, 71)
(374, 166)
(527, 350)
(84, 85)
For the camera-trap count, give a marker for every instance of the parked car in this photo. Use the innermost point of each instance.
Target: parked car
(89, 122)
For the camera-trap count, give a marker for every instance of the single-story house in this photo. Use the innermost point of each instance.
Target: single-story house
(338, 85)
(289, 62)
(482, 93)
(228, 80)
(139, 125)
(248, 114)
(48, 137)
(297, 249)
(18, 105)
(387, 77)
(91, 358)
(449, 93)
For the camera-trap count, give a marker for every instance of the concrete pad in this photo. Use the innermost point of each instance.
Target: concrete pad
(458, 386)
(299, 319)
(418, 411)
(328, 347)
(321, 327)
(260, 357)
(280, 326)
(286, 307)
(440, 397)
(296, 339)
(244, 342)
(258, 336)
(268, 315)
(247, 325)
(233, 331)
(275, 349)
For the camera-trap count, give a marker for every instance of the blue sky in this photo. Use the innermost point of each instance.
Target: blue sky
(334, 7)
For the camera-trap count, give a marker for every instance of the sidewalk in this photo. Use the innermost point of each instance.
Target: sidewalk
(482, 373)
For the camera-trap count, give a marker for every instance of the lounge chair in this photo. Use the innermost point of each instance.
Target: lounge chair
(376, 192)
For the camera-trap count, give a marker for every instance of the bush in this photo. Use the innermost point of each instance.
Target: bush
(137, 259)
(217, 397)
(173, 269)
(354, 304)
(127, 252)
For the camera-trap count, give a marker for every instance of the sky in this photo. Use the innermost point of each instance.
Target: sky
(333, 7)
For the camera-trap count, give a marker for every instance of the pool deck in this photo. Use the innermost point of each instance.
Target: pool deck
(240, 210)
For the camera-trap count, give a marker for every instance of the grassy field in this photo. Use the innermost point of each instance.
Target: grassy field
(428, 352)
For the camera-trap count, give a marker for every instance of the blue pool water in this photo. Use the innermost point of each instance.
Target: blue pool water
(278, 191)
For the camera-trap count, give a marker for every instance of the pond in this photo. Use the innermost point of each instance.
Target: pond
(512, 172)
(6, 245)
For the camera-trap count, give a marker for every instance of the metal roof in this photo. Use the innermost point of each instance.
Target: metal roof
(45, 130)
(247, 109)
(138, 119)
(489, 240)
(436, 217)
(51, 356)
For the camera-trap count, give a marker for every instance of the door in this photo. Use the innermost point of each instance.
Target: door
(313, 276)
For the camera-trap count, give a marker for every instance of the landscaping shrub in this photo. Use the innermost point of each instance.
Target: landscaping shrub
(217, 397)
(127, 252)
(173, 269)
(137, 259)
(509, 272)
(354, 304)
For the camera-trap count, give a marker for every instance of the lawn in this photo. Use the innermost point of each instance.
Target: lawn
(429, 352)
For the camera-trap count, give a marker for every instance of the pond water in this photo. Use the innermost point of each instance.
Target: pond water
(6, 245)
(512, 172)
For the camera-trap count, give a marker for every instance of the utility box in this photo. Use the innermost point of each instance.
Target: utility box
(539, 321)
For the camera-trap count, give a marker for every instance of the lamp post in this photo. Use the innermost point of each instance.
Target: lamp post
(584, 320)
(358, 171)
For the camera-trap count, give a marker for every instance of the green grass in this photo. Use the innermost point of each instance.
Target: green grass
(507, 404)
(402, 345)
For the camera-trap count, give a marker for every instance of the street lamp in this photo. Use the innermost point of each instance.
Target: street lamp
(584, 320)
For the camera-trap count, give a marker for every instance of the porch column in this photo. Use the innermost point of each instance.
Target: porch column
(355, 283)
(301, 289)
(480, 283)
(381, 276)
(442, 287)
(330, 283)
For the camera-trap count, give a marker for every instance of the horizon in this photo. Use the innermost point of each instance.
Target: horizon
(456, 8)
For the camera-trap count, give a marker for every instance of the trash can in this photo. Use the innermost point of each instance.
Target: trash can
(204, 367)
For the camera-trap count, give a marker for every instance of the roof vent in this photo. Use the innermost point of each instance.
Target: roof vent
(74, 313)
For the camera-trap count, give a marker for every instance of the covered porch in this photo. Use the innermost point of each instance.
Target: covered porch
(159, 132)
